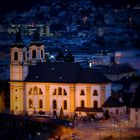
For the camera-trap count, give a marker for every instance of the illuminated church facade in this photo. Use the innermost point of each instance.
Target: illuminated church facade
(39, 86)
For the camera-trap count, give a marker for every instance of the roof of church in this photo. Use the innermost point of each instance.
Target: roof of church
(18, 41)
(112, 102)
(64, 72)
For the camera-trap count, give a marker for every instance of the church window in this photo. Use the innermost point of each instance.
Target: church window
(34, 54)
(16, 90)
(65, 93)
(82, 104)
(82, 92)
(15, 55)
(95, 93)
(59, 91)
(30, 103)
(41, 53)
(24, 58)
(40, 91)
(31, 91)
(54, 104)
(65, 104)
(40, 103)
(16, 98)
(95, 104)
(54, 92)
(35, 90)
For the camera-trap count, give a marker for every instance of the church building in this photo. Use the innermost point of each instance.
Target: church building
(39, 86)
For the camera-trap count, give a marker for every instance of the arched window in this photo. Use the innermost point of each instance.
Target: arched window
(65, 104)
(59, 91)
(65, 93)
(15, 55)
(40, 91)
(31, 91)
(40, 103)
(54, 104)
(24, 58)
(82, 92)
(54, 92)
(35, 90)
(82, 104)
(95, 104)
(95, 93)
(30, 103)
(34, 54)
(41, 53)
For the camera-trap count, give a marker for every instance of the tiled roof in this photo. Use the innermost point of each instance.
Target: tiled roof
(64, 72)
(87, 109)
(112, 102)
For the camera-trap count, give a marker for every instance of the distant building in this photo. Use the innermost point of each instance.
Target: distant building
(37, 86)
(135, 111)
(116, 72)
(114, 106)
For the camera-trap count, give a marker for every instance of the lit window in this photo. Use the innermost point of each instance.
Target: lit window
(54, 104)
(95, 104)
(95, 93)
(82, 92)
(40, 92)
(65, 104)
(65, 93)
(40, 103)
(30, 103)
(54, 92)
(82, 104)
(59, 91)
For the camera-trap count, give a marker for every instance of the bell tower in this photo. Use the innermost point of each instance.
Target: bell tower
(18, 65)
(36, 50)
(18, 73)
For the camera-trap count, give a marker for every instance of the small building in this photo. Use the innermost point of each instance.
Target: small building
(89, 112)
(135, 111)
(114, 106)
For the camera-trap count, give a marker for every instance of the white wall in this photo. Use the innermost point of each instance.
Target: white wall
(135, 117)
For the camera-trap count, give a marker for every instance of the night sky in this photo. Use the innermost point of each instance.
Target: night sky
(21, 5)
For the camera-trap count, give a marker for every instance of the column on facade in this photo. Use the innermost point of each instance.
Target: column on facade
(102, 95)
(72, 98)
(11, 98)
(88, 95)
(47, 97)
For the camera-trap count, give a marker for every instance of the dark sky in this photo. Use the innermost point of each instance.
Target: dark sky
(20, 5)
